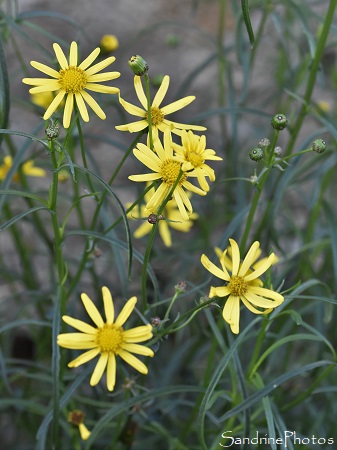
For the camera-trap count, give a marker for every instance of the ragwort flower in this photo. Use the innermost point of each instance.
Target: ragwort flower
(166, 169)
(108, 339)
(243, 283)
(27, 168)
(172, 219)
(158, 114)
(73, 81)
(193, 153)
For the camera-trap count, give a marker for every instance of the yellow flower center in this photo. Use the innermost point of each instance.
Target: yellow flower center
(169, 172)
(194, 158)
(156, 116)
(110, 338)
(73, 79)
(237, 286)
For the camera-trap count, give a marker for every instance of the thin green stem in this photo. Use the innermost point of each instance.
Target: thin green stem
(314, 68)
(150, 243)
(60, 297)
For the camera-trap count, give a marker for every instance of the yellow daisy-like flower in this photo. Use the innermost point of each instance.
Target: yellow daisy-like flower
(166, 169)
(243, 283)
(76, 417)
(27, 168)
(172, 219)
(158, 114)
(73, 81)
(193, 154)
(108, 339)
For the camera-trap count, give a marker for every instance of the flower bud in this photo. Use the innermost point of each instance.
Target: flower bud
(278, 151)
(52, 131)
(318, 146)
(279, 122)
(256, 154)
(155, 321)
(138, 65)
(264, 143)
(63, 176)
(109, 43)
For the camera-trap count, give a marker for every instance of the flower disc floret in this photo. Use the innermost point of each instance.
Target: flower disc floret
(72, 83)
(108, 339)
(242, 282)
(169, 172)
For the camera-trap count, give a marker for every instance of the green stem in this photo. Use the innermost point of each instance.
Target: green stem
(314, 68)
(60, 297)
(151, 240)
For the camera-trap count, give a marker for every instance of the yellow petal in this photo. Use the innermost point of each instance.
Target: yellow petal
(161, 91)
(138, 349)
(54, 104)
(92, 310)
(214, 269)
(260, 269)
(93, 105)
(220, 291)
(101, 88)
(68, 110)
(45, 69)
(111, 372)
(140, 91)
(81, 107)
(249, 259)
(133, 361)
(84, 432)
(73, 54)
(84, 358)
(126, 311)
(99, 369)
(79, 325)
(267, 293)
(89, 59)
(106, 76)
(108, 305)
(62, 60)
(179, 104)
(235, 256)
(100, 66)
(138, 334)
(231, 313)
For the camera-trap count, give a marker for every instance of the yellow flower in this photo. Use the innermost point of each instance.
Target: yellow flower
(158, 120)
(193, 154)
(172, 218)
(165, 168)
(108, 339)
(73, 81)
(27, 168)
(76, 417)
(109, 43)
(243, 283)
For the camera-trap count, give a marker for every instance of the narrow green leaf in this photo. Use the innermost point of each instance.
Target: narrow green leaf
(271, 387)
(22, 194)
(4, 91)
(246, 18)
(21, 216)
